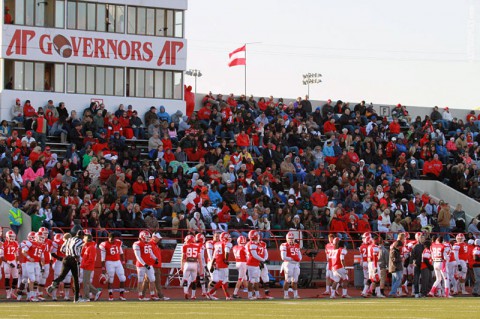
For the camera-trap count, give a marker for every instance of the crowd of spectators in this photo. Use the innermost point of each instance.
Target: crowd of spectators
(238, 164)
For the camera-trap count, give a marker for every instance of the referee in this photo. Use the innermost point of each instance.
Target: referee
(72, 248)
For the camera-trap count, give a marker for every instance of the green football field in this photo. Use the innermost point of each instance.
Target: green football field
(353, 308)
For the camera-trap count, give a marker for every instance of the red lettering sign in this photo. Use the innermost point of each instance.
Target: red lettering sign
(169, 52)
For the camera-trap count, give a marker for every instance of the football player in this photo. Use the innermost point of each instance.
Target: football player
(452, 265)
(364, 255)
(113, 259)
(240, 254)
(339, 273)
(209, 247)
(157, 267)
(373, 267)
(58, 255)
(328, 274)
(220, 256)
(291, 256)
(22, 259)
(145, 260)
(191, 262)
(264, 274)
(255, 259)
(10, 265)
(440, 256)
(45, 271)
(200, 240)
(33, 251)
(460, 248)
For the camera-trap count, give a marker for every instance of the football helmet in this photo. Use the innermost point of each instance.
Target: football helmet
(103, 279)
(225, 236)
(58, 237)
(460, 237)
(31, 236)
(189, 239)
(290, 237)
(10, 235)
(144, 235)
(39, 237)
(87, 232)
(44, 231)
(253, 235)
(200, 238)
(418, 235)
(241, 240)
(336, 241)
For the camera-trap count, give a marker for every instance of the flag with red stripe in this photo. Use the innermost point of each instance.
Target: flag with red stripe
(238, 57)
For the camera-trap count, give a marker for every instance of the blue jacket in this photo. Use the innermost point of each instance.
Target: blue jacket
(162, 115)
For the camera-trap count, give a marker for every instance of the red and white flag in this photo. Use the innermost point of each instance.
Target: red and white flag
(238, 57)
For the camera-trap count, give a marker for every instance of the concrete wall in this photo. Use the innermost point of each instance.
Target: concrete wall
(439, 190)
(5, 221)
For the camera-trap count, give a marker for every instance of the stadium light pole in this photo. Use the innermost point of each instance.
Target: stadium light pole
(311, 78)
(195, 73)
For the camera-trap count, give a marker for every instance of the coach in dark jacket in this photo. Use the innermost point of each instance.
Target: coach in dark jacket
(416, 260)
(395, 266)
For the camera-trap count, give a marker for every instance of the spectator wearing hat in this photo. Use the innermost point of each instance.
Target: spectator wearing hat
(319, 199)
(196, 223)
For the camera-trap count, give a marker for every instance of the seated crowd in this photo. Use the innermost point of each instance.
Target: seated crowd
(238, 164)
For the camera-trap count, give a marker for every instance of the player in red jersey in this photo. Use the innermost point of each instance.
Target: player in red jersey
(440, 256)
(373, 252)
(255, 259)
(339, 273)
(191, 262)
(426, 268)
(201, 273)
(452, 265)
(470, 261)
(145, 260)
(264, 274)
(10, 259)
(58, 255)
(112, 257)
(460, 249)
(220, 256)
(240, 254)
(45, 271)
(364, 256)
(210, 248)
(33, 251)
(328, 274)
(23, 263)
(409, 269)
(291, 256)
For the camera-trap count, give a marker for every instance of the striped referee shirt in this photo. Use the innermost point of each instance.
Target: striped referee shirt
(72, 247)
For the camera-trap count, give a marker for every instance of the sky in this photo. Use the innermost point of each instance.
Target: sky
(413, 52)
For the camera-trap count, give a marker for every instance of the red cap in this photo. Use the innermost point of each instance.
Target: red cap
(269, 168)
(446, 108)
(17, 100)
(365, 216)
(399, 105)
(29, 133)
(385, 182)
(403, 154)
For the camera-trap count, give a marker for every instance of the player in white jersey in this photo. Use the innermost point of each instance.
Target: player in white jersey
(291, 256)
(201, 273)
(460, 249)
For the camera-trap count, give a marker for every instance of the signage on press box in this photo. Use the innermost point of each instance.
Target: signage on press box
(93, 48)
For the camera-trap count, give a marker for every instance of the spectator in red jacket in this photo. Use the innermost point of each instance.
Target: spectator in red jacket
(89, 254)
(329, 127)
(364, 225)
(242, 139)
(394, 127)
(318, 198)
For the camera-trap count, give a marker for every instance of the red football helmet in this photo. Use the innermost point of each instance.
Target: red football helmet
(253, 235)
(290, 237)
(200, 238)
(418, 235)
(144, 235)
(31, 236)
(10, 235)
(241, 240)
(225, 236)
(87, 232)
(58, 237)
(460, 238)
(103, 279)
(336, 240)
(189, 239)
(39, 237)
(44, 231)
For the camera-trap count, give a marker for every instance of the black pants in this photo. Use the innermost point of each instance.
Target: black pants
(416, 279)
(426, 281)
(69, 264)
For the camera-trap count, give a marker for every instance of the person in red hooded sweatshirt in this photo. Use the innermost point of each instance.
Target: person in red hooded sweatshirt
(437, 165)
(242, 139)
(89, 254)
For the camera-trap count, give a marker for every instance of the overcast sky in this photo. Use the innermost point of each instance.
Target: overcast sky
(414, 52)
